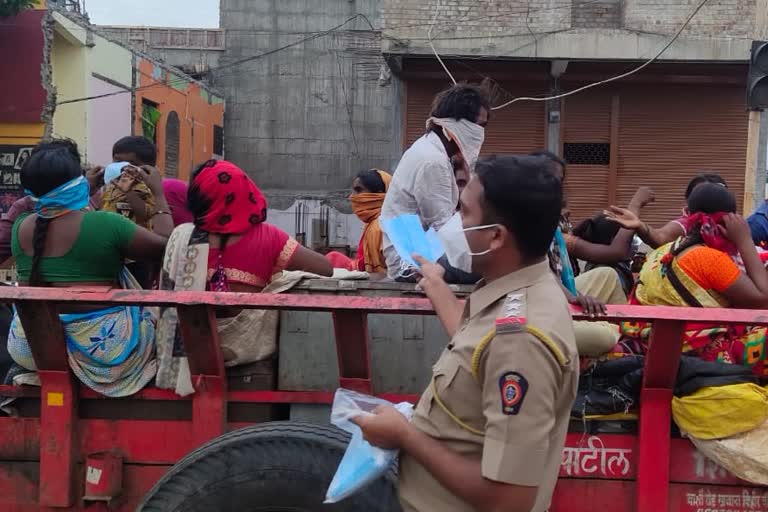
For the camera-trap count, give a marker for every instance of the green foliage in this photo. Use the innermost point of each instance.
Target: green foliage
(13, 7)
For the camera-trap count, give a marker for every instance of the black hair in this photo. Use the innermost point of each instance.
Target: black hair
(462, 101)
(521, 193)
(597, 230)
(711, 197)
(49, 167)
(142, 147)
(197, 203)
(554, 159)
(371, 180)
(706, 197)
(707, 177)
(68, 144)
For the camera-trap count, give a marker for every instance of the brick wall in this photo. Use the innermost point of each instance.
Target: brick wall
(731, 18)
(601, 14)
(498, 27)
(473, 17)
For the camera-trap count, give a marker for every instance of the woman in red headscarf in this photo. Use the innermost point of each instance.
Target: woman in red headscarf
(229, 247)
(714, 265)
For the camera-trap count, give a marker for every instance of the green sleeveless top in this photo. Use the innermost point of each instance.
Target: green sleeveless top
(95, 256)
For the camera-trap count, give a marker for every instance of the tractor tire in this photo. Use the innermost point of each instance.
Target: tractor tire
(280, 467)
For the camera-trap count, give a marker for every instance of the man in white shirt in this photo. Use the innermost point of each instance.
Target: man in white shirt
(424, 182)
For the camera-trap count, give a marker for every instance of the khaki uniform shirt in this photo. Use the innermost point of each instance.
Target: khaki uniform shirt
(513, 413)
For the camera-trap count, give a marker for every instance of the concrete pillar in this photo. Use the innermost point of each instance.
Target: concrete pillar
(557, 69)
(553, 126)
(761, 173)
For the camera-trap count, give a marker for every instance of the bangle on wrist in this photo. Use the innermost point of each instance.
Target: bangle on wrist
(159, 212)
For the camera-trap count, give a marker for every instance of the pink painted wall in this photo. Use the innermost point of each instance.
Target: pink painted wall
(108, 120)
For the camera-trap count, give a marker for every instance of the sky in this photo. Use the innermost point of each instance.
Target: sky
(158, 13)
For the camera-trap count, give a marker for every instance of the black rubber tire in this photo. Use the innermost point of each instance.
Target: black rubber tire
(280, 467)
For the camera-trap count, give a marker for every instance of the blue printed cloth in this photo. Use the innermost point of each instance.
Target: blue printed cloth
(112, 351)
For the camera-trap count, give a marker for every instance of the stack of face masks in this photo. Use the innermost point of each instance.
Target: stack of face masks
(362, 463)
(408, 238)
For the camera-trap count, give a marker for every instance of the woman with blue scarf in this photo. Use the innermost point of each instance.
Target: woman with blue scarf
(63, 244)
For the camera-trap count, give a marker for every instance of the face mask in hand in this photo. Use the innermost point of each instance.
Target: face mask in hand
(454, 239)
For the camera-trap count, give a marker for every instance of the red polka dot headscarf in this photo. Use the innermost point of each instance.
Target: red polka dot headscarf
(225, 200)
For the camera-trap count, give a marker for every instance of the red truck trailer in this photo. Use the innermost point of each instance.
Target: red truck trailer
(72, 449)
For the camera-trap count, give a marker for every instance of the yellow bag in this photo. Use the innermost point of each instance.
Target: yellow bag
(720, 412)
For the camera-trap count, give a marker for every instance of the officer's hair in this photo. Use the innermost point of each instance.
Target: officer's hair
(556, 163)
(522, 194)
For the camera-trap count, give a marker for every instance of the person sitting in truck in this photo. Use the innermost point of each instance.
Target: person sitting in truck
(26, 204)
(591, 290)
(424, 183)
(489, 431)
(460, 173)
(63, 244)
(368, 191)
(228, 248)
(674, 229)
(600, 243)
(176, 195)
(699, 270)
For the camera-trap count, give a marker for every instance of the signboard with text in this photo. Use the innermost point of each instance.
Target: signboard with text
(12, 157)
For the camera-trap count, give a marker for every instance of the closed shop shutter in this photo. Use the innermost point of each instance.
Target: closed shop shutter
(670, 133)
(517, 129)
(586, 119)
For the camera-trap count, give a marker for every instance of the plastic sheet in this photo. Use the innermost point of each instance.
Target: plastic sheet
(362, 463)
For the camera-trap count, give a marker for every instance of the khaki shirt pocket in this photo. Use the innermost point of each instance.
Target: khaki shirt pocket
(458, 397)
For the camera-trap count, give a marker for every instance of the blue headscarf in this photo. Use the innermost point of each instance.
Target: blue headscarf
(71, 196)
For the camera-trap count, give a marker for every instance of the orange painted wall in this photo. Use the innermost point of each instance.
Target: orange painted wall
(198, 113)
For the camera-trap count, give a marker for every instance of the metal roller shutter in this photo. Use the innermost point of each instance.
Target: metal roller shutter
(586, 119)
(519, 128)
(669, 133)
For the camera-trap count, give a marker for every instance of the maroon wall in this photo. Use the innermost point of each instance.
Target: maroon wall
(22, 96)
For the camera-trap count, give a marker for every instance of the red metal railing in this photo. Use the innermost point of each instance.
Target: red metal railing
(63, 436)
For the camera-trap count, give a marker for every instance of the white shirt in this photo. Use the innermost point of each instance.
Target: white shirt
(423, 184)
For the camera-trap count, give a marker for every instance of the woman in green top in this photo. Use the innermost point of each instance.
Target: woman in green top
(64, 245)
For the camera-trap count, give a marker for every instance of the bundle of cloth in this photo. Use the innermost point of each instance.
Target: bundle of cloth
(721, 408)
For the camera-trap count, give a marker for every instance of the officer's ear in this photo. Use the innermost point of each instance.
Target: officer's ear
(501, 237)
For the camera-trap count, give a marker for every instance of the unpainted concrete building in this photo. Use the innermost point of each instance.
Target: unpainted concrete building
(311, 101)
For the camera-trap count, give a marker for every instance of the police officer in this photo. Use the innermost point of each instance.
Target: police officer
(488, 432)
